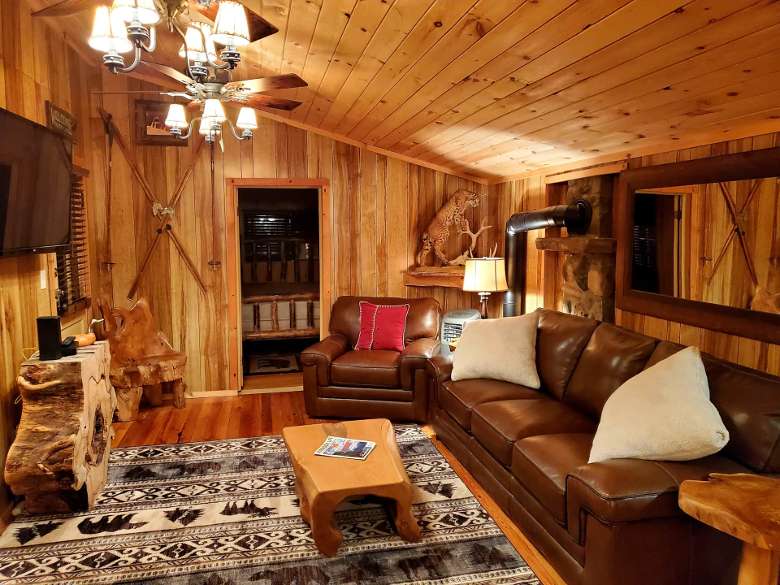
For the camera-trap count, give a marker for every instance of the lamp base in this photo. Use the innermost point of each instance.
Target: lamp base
(483, 304)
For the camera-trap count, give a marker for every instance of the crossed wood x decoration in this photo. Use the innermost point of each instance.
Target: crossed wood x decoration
(162, 212)
(737, 230)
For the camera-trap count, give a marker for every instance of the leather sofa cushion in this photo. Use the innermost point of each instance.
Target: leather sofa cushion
(497, 425)
(612, 356)
(560, 340)
(629, 490)
(543, 462)
(377, 368)
(423, 319)
(749, 404)
(663, 350)
(459, 398)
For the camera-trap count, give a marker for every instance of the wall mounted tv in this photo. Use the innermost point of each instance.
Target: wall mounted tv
(35, 187)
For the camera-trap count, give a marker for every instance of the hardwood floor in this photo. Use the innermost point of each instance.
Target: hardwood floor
(271, 382)
(206, 419)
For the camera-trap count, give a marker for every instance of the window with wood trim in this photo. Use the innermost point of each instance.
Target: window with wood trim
(73, 285)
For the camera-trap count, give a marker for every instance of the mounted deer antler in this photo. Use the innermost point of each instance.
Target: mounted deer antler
(468, 253)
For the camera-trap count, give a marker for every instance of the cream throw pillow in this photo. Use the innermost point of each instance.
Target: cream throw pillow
(499, 349)
(663, 413)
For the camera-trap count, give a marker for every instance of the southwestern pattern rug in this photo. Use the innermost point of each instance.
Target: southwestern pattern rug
(225, 513)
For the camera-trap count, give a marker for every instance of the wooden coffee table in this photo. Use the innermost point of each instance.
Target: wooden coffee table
(748, 508)
(322, 483)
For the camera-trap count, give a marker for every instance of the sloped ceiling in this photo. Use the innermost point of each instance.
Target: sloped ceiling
(498, 88)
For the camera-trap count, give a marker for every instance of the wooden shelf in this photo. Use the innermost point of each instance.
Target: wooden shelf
(577, 245)
(446, 276)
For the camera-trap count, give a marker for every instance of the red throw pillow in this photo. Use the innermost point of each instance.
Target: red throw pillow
(367, 319)
(390, 327)
(382, 326)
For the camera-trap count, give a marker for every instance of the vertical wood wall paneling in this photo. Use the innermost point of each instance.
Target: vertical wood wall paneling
(529, 193)
(36, 65)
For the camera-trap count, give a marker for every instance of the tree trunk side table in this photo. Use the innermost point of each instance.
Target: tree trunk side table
(748, 508)
(59, 459)
(322, 483)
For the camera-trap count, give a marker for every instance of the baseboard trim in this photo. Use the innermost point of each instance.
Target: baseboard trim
(223, 393)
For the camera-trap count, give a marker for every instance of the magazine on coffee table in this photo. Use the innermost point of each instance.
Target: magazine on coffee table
(345, 448)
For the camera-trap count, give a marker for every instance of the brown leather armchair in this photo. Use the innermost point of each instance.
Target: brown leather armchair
(340, 382)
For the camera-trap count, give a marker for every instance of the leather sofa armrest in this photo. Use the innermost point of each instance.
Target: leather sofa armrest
(439, 367)
(322, 354)
(415, 357)
(618, 490)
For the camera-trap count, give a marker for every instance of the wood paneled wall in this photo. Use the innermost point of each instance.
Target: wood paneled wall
(529, 193)
(35, 65)
(379, 208)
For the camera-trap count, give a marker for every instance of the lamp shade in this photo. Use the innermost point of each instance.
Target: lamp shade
(231, 27)
(208, 127)
(199, 45)
(109, 33)
(484, 275)
(143, 11)
(177, 117)
(213, 112)
(247, 119)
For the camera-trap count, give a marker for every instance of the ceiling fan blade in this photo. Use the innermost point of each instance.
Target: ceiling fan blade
(267, 83)
(259, 27)
(68, 7)
(162, 74)
(267, 101)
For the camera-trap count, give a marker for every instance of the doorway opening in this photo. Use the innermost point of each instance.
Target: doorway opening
(279, 245)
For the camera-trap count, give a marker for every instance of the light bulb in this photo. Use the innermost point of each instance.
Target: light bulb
(109, 33)
(247, 119)
(177, 118)
(143, 11)
(231, 27)
(199, 45)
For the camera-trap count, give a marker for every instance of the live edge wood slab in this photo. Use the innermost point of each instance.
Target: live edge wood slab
(322, 483)
(748, 508)
(59, 459)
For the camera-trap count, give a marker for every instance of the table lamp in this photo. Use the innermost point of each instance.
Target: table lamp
(484, 276)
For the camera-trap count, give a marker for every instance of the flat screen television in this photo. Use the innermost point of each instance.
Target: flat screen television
(35, 187)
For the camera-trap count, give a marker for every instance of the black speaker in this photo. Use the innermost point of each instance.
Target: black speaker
(49, 338)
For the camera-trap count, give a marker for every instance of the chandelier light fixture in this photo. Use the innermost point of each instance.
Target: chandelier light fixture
(212, 32)
(129, 26)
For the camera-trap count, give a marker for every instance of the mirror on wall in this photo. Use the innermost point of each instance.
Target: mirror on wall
(699, 243)
(710, 242)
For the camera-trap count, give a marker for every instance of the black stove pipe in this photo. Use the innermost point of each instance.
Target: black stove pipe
(575, 218)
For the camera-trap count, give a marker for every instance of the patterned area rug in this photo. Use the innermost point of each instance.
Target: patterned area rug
(225, 513)
(273, 363)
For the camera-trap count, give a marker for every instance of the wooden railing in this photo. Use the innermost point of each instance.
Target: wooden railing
(287, 326)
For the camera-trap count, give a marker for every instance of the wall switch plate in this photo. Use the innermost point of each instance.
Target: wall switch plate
(44, 279)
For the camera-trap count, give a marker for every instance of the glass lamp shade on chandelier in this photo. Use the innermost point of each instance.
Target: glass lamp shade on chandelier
(129, 26)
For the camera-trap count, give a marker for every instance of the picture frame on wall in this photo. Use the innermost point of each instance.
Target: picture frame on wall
(150, 126)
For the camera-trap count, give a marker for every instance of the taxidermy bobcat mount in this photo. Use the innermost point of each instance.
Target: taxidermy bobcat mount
(435, 237)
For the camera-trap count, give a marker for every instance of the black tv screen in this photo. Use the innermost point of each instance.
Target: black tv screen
(35, 187)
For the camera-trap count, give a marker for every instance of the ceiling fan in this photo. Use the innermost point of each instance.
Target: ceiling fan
(125, 26)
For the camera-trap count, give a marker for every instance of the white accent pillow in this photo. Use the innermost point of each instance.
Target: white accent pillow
(662, 414)
(499, 349)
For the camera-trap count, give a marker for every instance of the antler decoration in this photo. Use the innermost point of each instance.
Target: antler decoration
(469, 252)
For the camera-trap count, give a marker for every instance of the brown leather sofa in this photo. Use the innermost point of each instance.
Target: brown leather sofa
(340, 382)
(616, 522)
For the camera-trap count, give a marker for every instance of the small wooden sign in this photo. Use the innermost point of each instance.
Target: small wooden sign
(60, 121)
(150, 124)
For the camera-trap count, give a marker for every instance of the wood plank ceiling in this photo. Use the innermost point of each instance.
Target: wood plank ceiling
(498, 88)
